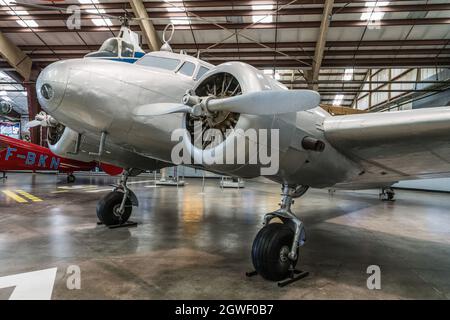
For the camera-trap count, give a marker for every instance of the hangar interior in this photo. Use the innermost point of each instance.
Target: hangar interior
(194, 235)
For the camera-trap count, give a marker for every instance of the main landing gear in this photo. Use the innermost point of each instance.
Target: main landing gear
(387, 194)
(276, 246)
(71, 178)
(114, 209)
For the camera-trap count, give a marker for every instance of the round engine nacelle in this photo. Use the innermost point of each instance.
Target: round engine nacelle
(62, 141)
(5, 107)
(216, 140)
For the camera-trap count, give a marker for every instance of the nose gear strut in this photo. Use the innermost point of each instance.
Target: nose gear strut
(114, 209)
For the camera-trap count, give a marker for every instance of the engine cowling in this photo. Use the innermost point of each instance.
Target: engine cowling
(228, 80)
(62, 142)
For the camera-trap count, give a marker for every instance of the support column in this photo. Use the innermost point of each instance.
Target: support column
(33, 109)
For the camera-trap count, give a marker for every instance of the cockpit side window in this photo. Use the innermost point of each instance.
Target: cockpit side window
(127, 49)
(159, 62)
(201, 72)
(187, 69)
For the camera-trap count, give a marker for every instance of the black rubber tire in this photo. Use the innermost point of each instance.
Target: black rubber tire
(105, 209)
(266, 251)
(71, 178)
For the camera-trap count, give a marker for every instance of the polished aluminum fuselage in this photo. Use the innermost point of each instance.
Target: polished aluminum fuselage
(92, 96)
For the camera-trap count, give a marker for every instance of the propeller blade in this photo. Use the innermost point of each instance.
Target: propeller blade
(160, 109)
(33, 123)
(42, 119)
(267, 102)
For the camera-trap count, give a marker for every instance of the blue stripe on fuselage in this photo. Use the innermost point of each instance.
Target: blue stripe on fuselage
(127, 60)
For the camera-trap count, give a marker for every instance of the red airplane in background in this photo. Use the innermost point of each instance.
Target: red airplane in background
(16, 155)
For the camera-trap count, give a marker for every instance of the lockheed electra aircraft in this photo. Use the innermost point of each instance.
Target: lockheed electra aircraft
(17, 155)
(125, 114)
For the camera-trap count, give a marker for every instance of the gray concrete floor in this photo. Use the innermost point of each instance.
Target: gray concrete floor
(191, 245)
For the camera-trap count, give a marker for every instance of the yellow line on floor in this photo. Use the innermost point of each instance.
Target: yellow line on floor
(29, 196)
(14, 196)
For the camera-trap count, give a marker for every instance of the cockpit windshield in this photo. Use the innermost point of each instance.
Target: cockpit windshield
(109, 48)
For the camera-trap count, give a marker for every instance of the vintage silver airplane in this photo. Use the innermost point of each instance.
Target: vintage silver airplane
(124, 114)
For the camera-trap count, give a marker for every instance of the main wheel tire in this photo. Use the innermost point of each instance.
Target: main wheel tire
(270, 251)
(71, 178)
(390, 196)
(107, 209)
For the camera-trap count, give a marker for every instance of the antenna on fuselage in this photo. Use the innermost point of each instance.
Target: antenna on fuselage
(166, 45)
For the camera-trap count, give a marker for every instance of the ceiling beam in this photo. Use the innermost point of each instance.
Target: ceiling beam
(195, 4)
(15, 57)
(311, 44)
(147, 27)
(326, 63)
(163, 14)
(320, 44)
(343, 63)
(210, 26)
(232, 55)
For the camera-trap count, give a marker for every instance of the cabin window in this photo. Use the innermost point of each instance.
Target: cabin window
(159, 62)
(187, 69)
(201, 72)
(127, 49)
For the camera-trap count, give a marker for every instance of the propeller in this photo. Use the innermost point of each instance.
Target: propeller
(267, 102)
(42, 119)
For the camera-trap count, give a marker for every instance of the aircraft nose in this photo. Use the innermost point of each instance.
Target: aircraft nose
(51, 85)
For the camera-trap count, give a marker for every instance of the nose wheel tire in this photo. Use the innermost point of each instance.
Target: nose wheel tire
(108, 209)
(270, 252)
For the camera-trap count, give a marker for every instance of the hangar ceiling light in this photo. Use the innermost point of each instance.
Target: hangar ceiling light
(4, 96)
(28, 23)
(265, 18)
(372, 14)
(99, 22)
(338, 99)
(271, 73)
(348, 75)
(22, 22)
(177, 20)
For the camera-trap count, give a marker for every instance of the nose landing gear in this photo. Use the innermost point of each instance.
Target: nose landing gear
(114, 209)
(275, 248)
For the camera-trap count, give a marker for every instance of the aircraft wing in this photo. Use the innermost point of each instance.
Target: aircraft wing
(394, 146)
